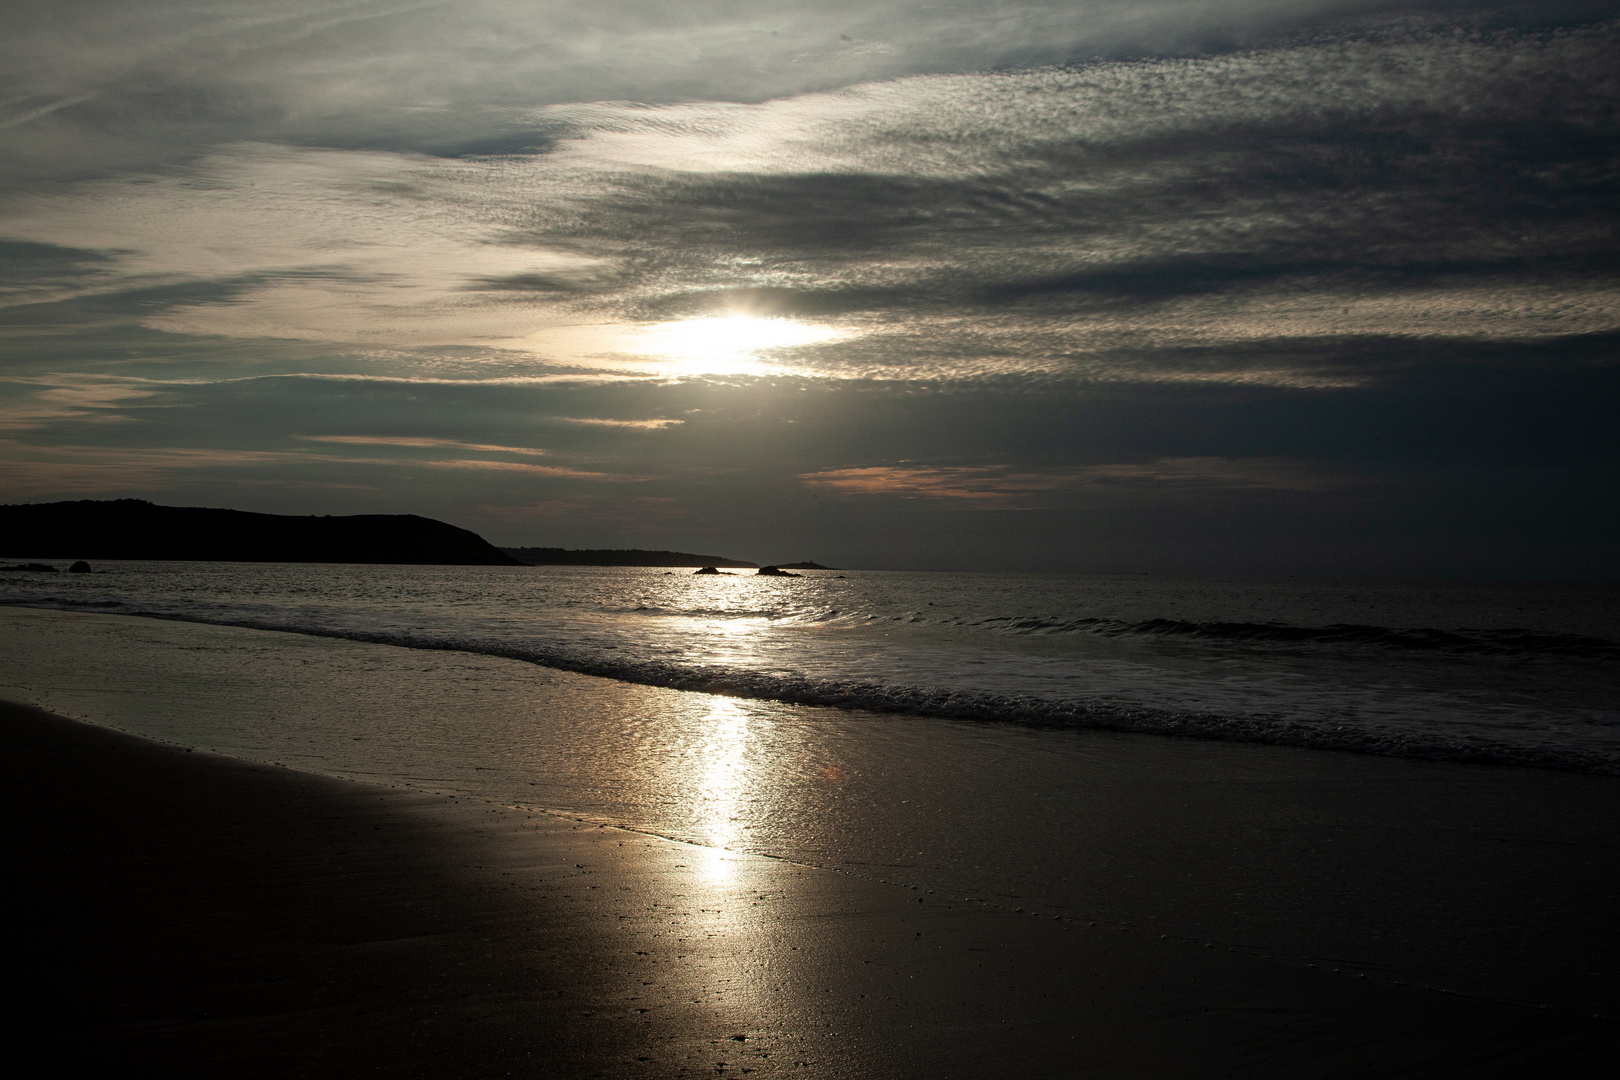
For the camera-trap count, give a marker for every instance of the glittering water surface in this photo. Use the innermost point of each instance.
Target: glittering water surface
(1397, 868)
(1523, 673)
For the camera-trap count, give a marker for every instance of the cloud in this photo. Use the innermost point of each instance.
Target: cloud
(34, 273)
(1002, 487)
(65, 469)
(69, 470)
(96, 85)
(503, 466)
(412, 441)
(633, 425)
(67, 396)
(1404, 181)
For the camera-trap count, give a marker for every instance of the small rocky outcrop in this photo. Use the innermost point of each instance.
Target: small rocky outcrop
(80, 567)
(774, 571)
(706, 570)
(32, 567)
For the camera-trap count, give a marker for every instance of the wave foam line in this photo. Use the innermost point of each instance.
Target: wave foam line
(935, 702)
(1507, 642)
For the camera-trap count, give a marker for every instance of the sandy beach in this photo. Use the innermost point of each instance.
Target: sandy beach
(191, 914)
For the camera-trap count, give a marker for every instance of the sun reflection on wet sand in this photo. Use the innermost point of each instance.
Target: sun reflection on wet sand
(724, 784)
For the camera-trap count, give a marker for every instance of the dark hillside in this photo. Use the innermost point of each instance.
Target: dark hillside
(136, 529)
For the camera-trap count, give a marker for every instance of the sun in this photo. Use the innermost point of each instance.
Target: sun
(725, 344)
(736, 344)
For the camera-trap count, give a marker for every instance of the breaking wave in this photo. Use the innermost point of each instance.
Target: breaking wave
(1508, 642)
(986, 706)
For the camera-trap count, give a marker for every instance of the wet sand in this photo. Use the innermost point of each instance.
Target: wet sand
(188, 914)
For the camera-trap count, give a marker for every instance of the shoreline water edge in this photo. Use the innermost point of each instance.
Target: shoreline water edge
(1184, 907)
(1507, 673)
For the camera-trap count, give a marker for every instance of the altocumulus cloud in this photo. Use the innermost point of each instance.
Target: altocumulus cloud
(1211, 285)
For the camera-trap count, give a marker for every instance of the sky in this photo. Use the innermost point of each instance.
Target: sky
(1191, 286)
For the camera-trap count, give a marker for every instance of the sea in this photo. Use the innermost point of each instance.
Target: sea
(1514, 673)
(1406, 781)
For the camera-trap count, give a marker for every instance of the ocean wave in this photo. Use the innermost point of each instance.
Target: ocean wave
(961, 704)
(1507, 642)
(1430, 641)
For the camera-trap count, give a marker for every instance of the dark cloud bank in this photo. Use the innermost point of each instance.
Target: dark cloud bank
(1207, 287)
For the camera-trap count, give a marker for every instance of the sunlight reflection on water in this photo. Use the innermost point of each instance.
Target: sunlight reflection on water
(724, 785)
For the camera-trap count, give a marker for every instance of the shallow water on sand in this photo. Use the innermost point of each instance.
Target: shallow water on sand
(1469, 878)
(1528, 674)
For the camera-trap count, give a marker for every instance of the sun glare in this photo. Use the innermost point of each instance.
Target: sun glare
(711, 345)
(726, 344)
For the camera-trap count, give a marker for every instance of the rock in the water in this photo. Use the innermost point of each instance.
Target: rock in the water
(774, 571)
(37, 567)
(80, 567)
(706, 570)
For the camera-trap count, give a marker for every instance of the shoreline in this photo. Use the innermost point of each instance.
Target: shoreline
(1036, 714)
(194, 913)
(1495, 883)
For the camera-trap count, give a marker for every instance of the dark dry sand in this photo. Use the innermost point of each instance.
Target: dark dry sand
(181, 914)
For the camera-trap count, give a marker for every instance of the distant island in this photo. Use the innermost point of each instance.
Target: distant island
(544, 556)
(137, 529)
